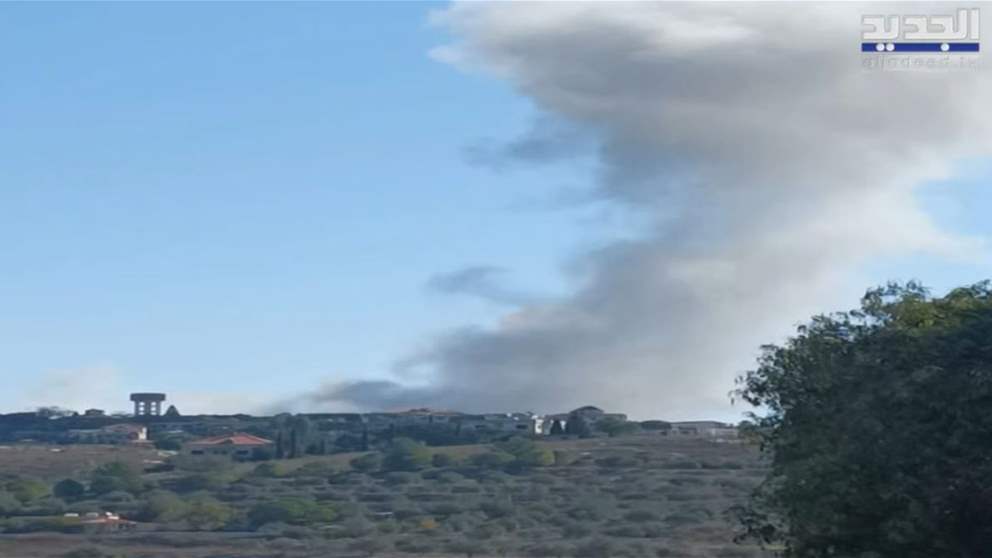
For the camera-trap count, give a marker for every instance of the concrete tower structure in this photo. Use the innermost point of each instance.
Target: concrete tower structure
(147, 404)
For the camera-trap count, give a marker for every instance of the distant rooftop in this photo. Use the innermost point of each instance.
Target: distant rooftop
(236, 439)
(147, 397)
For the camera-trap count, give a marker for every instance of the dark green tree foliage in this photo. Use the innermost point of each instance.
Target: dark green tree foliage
(577, 426)
(879, 426)
(207, 514)
(656, 425)
(366, 463)
(491, 460)
(116, 476)
(26, 490)
(368, 546)
(467, 548)
(295, 511)
(556, 428)
(171, 444)
(295, 437)
(613, 427)
(164, 506)
(9, 504)
(280, 452)
(69, 490)
(405, 454)
(443, 460)
(526, 454)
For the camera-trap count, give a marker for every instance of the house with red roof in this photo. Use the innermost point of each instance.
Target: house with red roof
(238, 445)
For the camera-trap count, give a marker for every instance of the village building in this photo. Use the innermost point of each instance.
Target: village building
(523, 423)
(238, 446)
(703, 428)
(111, 434)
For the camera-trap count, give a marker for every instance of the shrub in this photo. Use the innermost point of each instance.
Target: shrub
(616, 427)
(635, 549)
(415, 545)
(491, 460)
(294, 511)
(721, 465)
(496, 510)
(26, 490)
(618, 461)
(69, 490)
(467, 547)
(315, 469)
(682, 518)
(446, 509)
(85, 552)
(563, 458)
(681, 464)
(116, 476)
(267, 470)
(428, 524)
(641, 515)
(9, 505)
(656, 425)
(443, 460)
(368, 547)
(212, 482)
(549, 550)
(169, 444)
(162, 505)
(366, 463)
(357, 527)
(526, 454)
(399, 477)
(449, 477)
(594, 548)
(208, 514)
(117, 497)
(262, 454)
(405, 454)
(631, 531)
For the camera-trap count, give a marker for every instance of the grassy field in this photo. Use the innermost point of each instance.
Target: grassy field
(51, 462)
(639, 496)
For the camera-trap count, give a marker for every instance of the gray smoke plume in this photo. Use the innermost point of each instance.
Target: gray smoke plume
(773, 165)
(482, 281)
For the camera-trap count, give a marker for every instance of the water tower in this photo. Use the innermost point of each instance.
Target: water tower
(147, 404)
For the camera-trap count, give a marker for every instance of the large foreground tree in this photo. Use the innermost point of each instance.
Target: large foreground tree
(878, 425)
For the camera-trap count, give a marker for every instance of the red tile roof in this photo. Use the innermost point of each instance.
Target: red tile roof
(237, 439)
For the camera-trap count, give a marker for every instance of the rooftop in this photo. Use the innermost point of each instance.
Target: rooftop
(236, 439)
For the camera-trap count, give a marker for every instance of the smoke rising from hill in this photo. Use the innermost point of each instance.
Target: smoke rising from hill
(772, 163)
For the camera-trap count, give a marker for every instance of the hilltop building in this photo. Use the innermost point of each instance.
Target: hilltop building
(704, 428)
(238, 445)
(110, 434)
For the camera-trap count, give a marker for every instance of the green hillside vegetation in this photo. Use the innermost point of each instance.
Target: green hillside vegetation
(640, 495)
(878, 427)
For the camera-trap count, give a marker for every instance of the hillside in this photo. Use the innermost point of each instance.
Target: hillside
(635, 496)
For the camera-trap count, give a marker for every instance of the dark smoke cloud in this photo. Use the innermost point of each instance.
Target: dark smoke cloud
(773, 166)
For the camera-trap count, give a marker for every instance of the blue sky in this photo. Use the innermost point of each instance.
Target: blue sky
(204, 197)
(249, 200)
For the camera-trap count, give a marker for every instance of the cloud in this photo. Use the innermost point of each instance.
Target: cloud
(773, 167)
